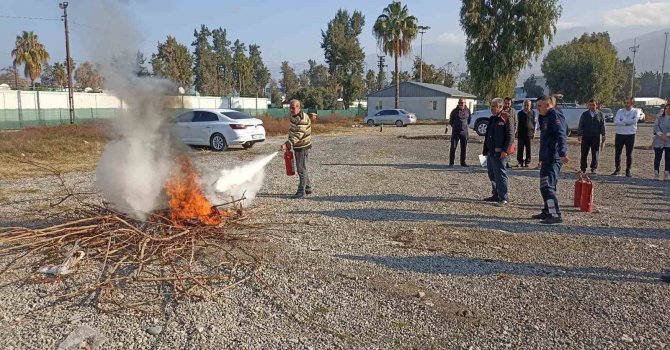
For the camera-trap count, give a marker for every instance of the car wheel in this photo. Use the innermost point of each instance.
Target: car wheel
(399, 123)
(481, 126)
(248, 145)
(371, 122)
(218, 143)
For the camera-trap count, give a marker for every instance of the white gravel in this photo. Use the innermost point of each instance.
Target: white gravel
(395, 250)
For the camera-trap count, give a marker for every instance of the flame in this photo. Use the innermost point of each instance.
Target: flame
(187, 201)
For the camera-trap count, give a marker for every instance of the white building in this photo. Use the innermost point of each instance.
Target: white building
(649, 101)
(427, 101)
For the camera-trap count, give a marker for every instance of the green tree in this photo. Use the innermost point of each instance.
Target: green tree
(449, 80)
(395, 29)
(289, 81)
(88, 76)
(303, 79)
(60, 75)
(223, 58)
(431, 74)
(582, 69)
(466, 84)
(404, 76)
(318, 74)
(344, 54)
(141, 65)
(173, 61)
(260, 73)
(502, 37)
(30, 52)
(48, 76)
(370, 81)
(275, 96)
(649, 82)
(624, 70)
(204, 63)
(242, 73)
(532, 89)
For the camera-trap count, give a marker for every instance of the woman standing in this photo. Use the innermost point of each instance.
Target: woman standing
(661, 142)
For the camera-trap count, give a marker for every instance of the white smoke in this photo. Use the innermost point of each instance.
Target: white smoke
(137, 162)
(242, 181)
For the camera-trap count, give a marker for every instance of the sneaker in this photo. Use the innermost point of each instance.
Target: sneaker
(583, 171)
(667, 176)
(491, 199)
(308, 190)
(298, 194)
(666, 276)
(552, 220)
(464, 165)
(593, 172)
(502, 203)
(656, 175)
(616, 173)
(540, 216)
(628, 174)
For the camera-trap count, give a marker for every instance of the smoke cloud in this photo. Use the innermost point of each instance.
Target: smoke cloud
(137, 162)
(242, 181)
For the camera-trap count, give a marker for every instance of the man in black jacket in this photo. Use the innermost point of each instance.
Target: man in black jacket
(497, 142)
(526, 119)
(459, 119)
(591, 128)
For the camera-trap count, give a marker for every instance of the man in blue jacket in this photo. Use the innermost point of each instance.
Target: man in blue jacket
(497, 143)
(553, 154)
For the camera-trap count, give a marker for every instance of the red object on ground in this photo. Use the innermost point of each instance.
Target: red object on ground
(289, 160)
(577, 202)
(586, 200)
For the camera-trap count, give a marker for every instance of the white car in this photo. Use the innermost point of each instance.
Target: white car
(218, 128)
(399, 117)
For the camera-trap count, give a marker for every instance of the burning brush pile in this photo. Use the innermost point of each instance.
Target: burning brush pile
(121, 264)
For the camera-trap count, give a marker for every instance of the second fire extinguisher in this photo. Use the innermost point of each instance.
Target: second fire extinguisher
(578, 190)
(586, 200)
(289, 161)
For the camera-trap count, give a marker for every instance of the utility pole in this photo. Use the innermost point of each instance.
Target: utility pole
(68, 60)
(422, 30)
(660, 85)
(634, 49)
(381, 77)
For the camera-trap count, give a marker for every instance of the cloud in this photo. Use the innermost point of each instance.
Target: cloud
(451, 38)
(650, 14)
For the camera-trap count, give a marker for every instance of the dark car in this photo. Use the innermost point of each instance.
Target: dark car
(609, 115)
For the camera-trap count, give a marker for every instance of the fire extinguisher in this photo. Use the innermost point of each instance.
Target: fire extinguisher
(289, 161)
(586, 200)
(578, 190)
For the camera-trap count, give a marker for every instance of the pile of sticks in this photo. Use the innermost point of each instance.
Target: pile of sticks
(122, 265)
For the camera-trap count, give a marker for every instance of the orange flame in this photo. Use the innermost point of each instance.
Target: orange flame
(187, 201)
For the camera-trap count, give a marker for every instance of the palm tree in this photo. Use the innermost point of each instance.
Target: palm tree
(395, 29)
(59, 74)
(30, 52)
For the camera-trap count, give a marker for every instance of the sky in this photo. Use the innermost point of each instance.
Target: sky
(291, 31)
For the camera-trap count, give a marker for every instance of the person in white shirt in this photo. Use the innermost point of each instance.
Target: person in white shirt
(626, 127)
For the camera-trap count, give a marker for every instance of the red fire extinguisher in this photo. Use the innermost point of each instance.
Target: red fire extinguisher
(289, 161)
(586, 200)
(578, 190)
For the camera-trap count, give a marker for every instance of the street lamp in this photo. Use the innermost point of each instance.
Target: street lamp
(422, 29)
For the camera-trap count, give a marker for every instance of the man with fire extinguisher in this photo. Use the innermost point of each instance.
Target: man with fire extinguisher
(300, 141)
(553, 154)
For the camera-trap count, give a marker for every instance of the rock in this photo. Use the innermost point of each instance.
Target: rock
(82, 335)
(429, 304)
(200, 329)
(155, 330)
(626, 338)
(420, 295)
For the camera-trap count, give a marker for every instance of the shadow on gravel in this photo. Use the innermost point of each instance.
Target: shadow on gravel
(390, 198)
(488, 222)
(466, 266)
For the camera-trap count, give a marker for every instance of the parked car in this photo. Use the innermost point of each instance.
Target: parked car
(571, 112)
(218, 128)
(609, 115)
(399, 117)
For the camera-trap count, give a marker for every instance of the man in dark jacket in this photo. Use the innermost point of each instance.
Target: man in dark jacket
(591, 128)
(553, 154)
(459, 120)
(526, 119)
(497, 142)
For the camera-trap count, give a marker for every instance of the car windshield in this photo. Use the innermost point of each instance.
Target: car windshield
(404, 111)
(236, 115)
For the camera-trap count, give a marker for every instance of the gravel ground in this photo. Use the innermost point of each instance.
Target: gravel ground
(395, 250)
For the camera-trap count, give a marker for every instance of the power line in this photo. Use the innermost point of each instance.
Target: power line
(32, 18)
